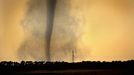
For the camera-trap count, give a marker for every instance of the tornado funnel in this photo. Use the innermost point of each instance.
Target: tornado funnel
(51, 5)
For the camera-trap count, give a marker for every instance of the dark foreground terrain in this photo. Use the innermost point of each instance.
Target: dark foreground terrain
(65, 68)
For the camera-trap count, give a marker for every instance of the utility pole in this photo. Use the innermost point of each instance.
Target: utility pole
(73, 56)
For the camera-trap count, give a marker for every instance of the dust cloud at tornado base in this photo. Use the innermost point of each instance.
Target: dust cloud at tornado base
(34, 24)
(63, 39)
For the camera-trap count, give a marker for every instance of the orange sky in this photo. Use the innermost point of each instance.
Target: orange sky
(12, 12)
(104, 29)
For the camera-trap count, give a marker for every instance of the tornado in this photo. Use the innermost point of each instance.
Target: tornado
(51, 5)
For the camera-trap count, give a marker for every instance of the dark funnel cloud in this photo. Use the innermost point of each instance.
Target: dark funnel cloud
(51, 5)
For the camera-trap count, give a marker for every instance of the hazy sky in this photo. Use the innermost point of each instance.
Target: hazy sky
(11, 33)
(95, 29)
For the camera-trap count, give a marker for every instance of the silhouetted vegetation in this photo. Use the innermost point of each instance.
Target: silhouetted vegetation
(26, 66)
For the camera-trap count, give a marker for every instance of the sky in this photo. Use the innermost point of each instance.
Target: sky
(97, 30)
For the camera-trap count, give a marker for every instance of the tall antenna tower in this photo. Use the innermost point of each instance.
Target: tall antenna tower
(73, 56)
